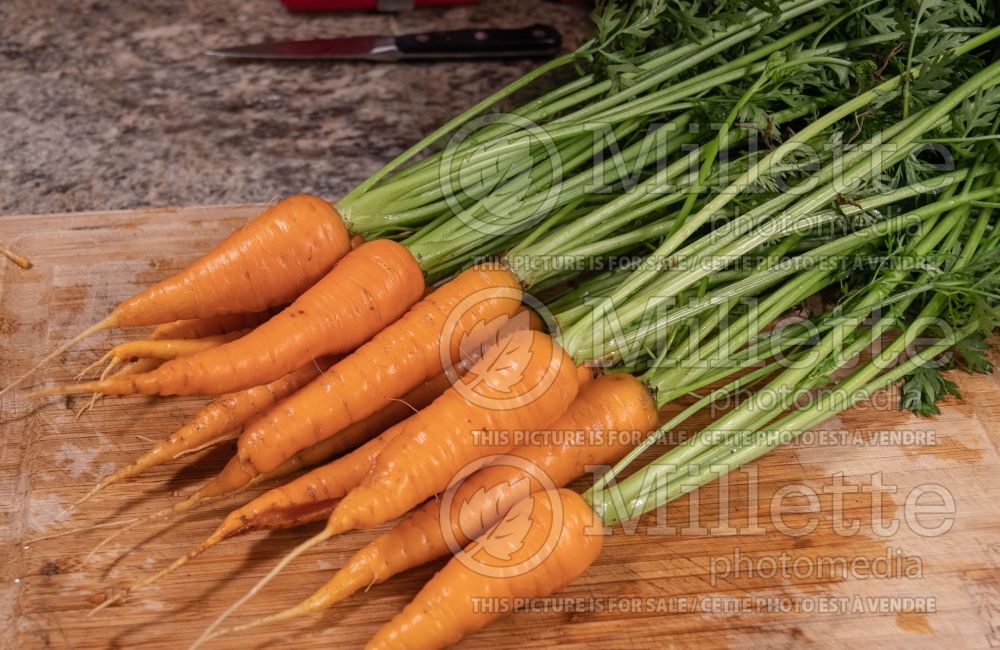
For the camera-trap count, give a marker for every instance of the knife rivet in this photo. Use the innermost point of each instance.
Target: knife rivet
(423, 38)
(481, 35)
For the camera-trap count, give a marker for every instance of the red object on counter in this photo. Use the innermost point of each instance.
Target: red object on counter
(331, 5)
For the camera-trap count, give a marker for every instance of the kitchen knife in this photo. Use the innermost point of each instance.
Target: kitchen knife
(536, 40)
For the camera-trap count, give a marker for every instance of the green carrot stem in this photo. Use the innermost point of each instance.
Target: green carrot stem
(628, 500)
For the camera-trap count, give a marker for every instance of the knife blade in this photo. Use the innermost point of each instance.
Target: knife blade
(536, 40)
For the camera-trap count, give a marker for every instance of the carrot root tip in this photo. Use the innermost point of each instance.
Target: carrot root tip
(105, 482)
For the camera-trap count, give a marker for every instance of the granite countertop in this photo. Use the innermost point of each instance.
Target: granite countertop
(108, 105)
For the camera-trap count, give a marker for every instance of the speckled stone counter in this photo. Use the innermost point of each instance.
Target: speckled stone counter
(107, 105)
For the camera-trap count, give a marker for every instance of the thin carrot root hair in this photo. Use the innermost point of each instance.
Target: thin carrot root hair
(80, 375)
(130, 471)
(313, 541)
(219, 535)
(78, 530)
(86, 407)
(94, 397)
(301, 609)
(218, 421)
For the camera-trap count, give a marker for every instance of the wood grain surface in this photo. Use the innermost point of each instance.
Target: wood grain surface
(836, 537)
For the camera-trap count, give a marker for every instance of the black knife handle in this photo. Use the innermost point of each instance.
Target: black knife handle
(537, 40)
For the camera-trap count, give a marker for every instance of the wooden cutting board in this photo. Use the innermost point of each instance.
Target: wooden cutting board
(871, 567)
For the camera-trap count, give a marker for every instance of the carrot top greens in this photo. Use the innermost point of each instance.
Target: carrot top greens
(912, 250)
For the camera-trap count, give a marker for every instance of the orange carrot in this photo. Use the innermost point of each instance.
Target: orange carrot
(267, 262)
(523, 383)
(370, 288)
(612, 413)
(563, 539)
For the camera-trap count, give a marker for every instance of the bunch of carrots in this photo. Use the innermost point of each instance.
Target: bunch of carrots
(361, 356)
